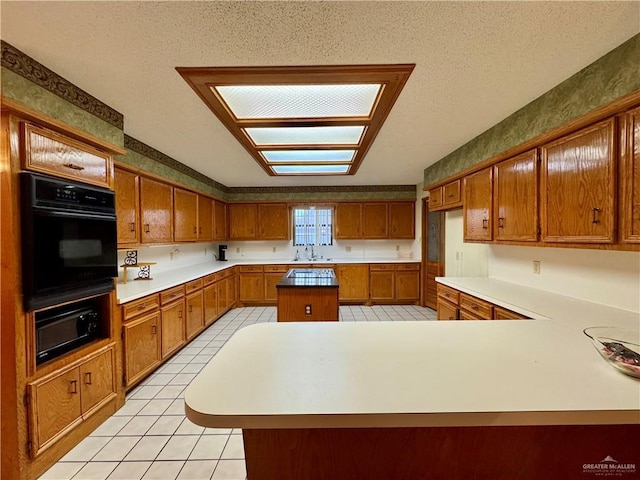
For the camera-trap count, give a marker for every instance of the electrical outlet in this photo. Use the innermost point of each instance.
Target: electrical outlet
(348, 249)
(307, 309)
(536, 267)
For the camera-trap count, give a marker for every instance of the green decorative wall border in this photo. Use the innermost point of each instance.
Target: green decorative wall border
(25, 66)
(612, 76)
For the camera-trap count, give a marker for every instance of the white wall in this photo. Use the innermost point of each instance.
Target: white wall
(607, 277)
(462, 259)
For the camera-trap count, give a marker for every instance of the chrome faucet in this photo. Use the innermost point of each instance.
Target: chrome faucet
(313, 254)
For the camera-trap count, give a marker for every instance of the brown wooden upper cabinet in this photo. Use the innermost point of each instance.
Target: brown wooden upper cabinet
(265, 221)
(156, 211)
(185, 215)
(52, 153)
(273, 221)
(477, 205)
(630, 176)
(402, 222)
(516, 198)
(372, 220)
(577, 186)
(375, 220)
(220, 224)
(243, 220)
(446, 197)
(205, 219)
(126, 188)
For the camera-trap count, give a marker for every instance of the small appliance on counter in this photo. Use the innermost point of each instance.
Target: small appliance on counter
(222, 253)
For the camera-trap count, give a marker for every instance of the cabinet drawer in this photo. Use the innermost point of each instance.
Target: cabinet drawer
(452, 193)
(227, 272)
(449, 293)
(208, 279)
(194, 285)
(376, 267)
(465, 315)
(171, 294)
(49, 152)
(276, 268)
(476, 306)
(407, 267)
(140, 306)
(250, 268)
(500, 313)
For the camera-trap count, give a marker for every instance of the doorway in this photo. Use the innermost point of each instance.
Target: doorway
(432, 252)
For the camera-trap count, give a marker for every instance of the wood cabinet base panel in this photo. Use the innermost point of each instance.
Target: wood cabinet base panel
(496, 453)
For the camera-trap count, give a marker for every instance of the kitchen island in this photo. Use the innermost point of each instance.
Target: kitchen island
(393, 400)
(308, 294)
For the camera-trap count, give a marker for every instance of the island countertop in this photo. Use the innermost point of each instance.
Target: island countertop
(411, 374)
(308, 277)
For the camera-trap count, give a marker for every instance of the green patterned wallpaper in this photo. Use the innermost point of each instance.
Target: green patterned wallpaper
(610, 77)
(34, 96)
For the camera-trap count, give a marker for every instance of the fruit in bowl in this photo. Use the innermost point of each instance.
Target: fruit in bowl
(620, 347)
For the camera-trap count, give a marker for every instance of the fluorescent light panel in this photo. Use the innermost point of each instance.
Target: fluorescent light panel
(299, 101)
(305, 135)
(309, 169)
(287, 156)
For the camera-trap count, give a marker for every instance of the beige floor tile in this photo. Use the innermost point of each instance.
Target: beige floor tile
(189, 428)
(209, 447)
(197, 470)
(116, 449)
(163, 470)
(234, 448)
(166, 425)
(230, 470)
(138, 425)
(130, 470)
(111, 426)
(86, 449)
(147, 448)
(96, 471)
(178, 447)
(62, 471)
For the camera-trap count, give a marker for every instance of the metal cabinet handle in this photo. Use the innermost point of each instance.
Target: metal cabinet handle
(500, 222)
(596, 218)
(74, 386)
(87, 378)
(154, 329)
(72, 166)
(485, 224)
(132, 227)
(474, 306)
(146, 228)
(141, 306)
(190, 308)
(195, 229)
(179, 313)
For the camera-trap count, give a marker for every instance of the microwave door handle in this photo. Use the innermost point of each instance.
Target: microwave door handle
(88, 216)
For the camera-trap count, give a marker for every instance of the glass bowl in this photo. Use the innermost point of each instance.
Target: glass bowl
(620, 347)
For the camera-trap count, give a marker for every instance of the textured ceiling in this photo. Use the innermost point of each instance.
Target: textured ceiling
(476, 63)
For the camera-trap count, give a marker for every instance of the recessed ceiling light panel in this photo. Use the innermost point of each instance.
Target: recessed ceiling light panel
(299, 101)
(310, 169)
(305, 135)
(294, 156)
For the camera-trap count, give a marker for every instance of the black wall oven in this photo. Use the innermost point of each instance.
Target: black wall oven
(69, 242)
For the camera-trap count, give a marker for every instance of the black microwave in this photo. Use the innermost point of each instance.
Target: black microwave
(69, 240)
(63, 329)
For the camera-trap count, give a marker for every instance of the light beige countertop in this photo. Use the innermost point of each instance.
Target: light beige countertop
(132, 290)
(411, 374)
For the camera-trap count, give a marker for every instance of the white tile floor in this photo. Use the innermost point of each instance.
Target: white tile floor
(150, 437)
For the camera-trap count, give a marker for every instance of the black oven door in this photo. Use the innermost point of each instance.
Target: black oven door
(67, 256)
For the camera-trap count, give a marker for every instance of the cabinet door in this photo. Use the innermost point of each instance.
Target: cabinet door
(273, 221)
(408, 285)
(451, 194)
(375, 220)
(222, 296)
(577, 186)
(477, 205)
(353, 281)
(205, 219)
(195, 314)
(435, 199)
(270, 290)
(97, 377)
(500, 313)
(402, 220)
(127, 207)
(446, 310)
(348, 220)
(210, 293)
(55, 407)
(516, 198)
(232, 291)
(156, 211)
(220, 226)
(243, 221)
(185, 215)
(630, 177)
(173, 331)
(49, 152)
(382, 285)
(251, 287)
(141, 346)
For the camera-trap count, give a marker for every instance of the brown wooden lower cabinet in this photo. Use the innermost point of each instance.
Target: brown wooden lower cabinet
(141, 346)
(407, 282)
(173, 329)
(354, 282)
(63, 399)
(455, 305)
(210, 293)
(195, 315)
